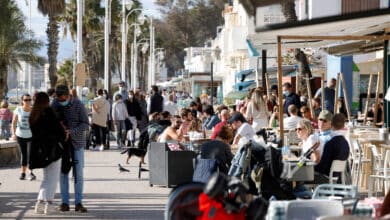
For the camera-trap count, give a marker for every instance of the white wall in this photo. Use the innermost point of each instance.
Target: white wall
(320, 8)
(384, 3)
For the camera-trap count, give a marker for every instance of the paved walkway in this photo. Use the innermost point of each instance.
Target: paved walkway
(108, 194)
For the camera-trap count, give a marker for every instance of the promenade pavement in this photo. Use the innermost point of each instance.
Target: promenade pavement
(108, 194)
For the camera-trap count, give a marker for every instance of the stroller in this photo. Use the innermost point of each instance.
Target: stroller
(255, 170)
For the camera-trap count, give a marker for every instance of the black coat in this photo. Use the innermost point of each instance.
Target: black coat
(156, 103)
(48, 138)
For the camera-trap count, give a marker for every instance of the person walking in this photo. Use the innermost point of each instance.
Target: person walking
(5, 120)
(121, 91)
(135, 114)
(156, 101)
(119, 114)
(75, 119)
(47, 134)
(99, 119)
(22, 133)
(257, 110)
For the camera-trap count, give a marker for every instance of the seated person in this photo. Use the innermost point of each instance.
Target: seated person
(291, 121)
(244, 131)
(211, 119)
(306, 114)
(337, 148)
(154, 128)
(224, 116)
(186, 117)
(165, 119)
(173, 133)
(195, 130)
(219, 149)
(305, 132)
(379, 114)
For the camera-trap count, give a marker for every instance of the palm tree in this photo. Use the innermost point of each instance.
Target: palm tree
(15, 43)
(52, 8)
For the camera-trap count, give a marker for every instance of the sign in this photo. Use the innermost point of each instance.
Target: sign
(81, 74)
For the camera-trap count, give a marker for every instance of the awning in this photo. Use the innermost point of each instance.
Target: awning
(243, 73)
(241, 86)
(362, 23)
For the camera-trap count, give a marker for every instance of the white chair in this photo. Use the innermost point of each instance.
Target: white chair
(293, 137)
(380, 169)
(338, 166)
(312, 209)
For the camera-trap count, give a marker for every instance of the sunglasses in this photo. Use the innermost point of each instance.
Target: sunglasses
(27, 100)
(323, 120)
(298, 129)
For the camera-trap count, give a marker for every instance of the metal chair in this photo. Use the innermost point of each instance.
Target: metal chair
(348, 194)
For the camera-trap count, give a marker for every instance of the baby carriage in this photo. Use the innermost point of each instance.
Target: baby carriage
(222, 197)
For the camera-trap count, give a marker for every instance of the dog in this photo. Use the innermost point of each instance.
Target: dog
(136, 152)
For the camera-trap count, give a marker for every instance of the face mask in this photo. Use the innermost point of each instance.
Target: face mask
(64, 103)
(286, 93)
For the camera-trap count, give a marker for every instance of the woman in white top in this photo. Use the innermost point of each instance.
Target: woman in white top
(119, 114)
(257, 110)
(305, 132)
(22, 133)
(195, 130)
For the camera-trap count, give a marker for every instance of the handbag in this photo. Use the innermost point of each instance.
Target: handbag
(42, 154)
(128, 124)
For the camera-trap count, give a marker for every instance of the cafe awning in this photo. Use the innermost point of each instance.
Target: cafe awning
(242, 86)
(243, 73)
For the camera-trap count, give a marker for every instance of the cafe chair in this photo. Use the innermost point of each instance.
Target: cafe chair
(312, 209)
(380, 170)
(357, 161)
(338, 166)
(293, 138)
(348, 194)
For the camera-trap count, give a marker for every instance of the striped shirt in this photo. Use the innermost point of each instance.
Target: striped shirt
(75, 119)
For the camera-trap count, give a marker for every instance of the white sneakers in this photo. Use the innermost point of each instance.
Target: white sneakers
(46, 208)
(39, 207)
(98, 148)
(101, 148)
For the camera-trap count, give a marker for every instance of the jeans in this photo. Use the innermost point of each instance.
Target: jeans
(5, 129)
(78, 179)
(120, 129)
(51, 175)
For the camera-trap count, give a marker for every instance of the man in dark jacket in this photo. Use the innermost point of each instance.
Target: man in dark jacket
(336, 148)
(156, 101)
(290, 97)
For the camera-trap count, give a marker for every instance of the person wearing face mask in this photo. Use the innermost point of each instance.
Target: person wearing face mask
(121, 91)
(290, 98)
(73, 116)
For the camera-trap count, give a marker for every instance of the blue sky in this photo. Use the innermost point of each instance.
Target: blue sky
(39, 24)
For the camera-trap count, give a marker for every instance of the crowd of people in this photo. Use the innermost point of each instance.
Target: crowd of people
(133, 112)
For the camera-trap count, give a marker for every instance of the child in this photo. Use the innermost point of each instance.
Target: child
(5, 120)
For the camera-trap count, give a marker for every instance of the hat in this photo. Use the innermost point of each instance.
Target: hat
(325, 115)
(62, 90)
(236, 117)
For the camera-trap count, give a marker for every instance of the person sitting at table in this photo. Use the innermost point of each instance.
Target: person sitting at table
(173, 132)
(224, 116)
(337, 148)
(306, 114)
(219, 149)
(274, 119)
(165, 119)
(379, 114)
(305, 132)
(195, 130)
(244, 131)
(316, 107)
(291, 121)
(325, 127)
(186, 117)
(211, 119)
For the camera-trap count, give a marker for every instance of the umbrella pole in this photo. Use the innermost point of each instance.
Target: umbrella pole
(280, 93)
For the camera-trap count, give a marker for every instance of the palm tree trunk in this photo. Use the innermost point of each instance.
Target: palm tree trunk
(288, 9)
(52, 50)
(3, 80)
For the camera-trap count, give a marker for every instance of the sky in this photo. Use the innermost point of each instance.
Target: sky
(39, 23)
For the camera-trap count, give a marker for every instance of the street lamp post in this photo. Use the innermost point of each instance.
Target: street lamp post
(107, 18)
